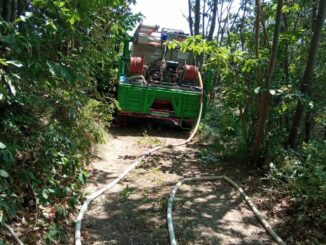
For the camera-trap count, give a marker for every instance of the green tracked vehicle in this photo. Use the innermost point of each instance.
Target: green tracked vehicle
(155, 82)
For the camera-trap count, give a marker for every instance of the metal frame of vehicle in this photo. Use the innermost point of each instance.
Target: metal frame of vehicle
(155, 82)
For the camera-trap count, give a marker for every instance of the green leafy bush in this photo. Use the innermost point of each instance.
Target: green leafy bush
(55, 56)
(303, 173)
(222, 128)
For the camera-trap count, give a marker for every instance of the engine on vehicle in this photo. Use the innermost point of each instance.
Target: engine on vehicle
(153, 64)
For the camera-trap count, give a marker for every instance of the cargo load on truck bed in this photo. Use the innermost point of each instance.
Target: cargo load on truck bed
(158, 82)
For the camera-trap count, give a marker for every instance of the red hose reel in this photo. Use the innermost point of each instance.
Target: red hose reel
(190, 73)
(136, 66)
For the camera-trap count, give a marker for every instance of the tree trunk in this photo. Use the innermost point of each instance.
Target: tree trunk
(309, 115)
(257, 40)
(13, 10)
(6, 10)
(262, 19)
(197, 17)
(307, 78)
(286, 71)
(219, 18)
(213, 24)
(308, 126)
(191, 24)
(203, 20)
(228, 8)
(21, 7)
(264, 105)
(242, 38)
(1, 8)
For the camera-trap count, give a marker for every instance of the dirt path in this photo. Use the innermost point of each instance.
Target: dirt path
(134, 211)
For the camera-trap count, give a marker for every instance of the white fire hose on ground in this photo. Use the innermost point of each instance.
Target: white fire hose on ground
(260, 217)
(96, 194)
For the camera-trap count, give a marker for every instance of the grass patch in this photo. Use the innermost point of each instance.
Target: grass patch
(147, 140)
(125, 193)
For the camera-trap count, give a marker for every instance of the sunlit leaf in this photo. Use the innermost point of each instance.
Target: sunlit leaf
(15, 63)
(257, 90)
(10, 84)
(28, 14)
(74, 18)
(311, 104)
(2, 146)
(4, 173)
(3, 62)
(45, 194)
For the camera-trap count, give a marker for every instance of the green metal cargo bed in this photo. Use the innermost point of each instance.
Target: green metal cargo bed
(134, 99)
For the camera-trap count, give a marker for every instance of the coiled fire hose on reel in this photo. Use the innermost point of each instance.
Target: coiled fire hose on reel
(173, 241)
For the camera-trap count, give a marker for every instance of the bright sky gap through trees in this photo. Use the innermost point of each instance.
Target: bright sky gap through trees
(167, 13)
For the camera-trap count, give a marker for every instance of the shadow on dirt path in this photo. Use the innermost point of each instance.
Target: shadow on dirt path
(134, 211)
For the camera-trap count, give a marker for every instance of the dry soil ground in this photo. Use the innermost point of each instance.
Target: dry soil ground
(134, 211)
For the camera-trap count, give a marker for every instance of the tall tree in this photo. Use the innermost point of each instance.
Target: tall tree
(264, 104)
(13, 9)
(213, 21)
(257, 2)
(226, 12)
(307, 78)
(204, 16)
(197, 17)
(242, 24)
(190, 20)
(6, 10)
(309, 117)
(262, 19)
(203, 19)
